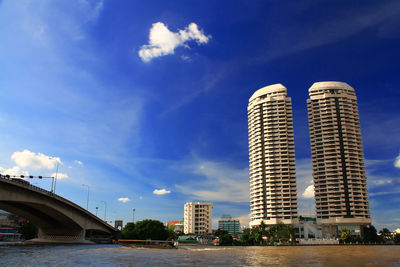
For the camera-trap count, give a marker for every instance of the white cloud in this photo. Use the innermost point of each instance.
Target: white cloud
(382, 181)
(78, 162)
(309, 192)
(59, 175)
(1, 169)
(304, 177)
(94, 12)
(244, 220)
(163, 42)
(395, 192)
(186, 58)
(28, 159)
(219, 182)
(123, 199)
(15, 171)
(161, 191)
(397, 162)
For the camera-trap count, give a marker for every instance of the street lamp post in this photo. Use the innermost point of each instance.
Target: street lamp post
(87, 208)
(105, 210)
(133, 216)
(54, 182)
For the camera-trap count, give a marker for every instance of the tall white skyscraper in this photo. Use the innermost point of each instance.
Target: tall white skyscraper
(273, 196)
(341, 194)
(197, 218)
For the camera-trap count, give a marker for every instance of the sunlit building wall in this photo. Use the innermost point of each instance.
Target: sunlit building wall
(197, 218)
(340, 181)
(273, 194)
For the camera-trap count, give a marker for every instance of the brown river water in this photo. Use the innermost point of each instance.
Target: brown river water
(115, 255)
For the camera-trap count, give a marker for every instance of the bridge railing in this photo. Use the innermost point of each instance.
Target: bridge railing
(23, 182)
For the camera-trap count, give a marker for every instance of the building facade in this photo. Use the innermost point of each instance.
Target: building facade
(232, 226)
(273, 194)
(197, 218)
(340, 182)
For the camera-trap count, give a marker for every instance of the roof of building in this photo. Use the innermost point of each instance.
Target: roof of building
(278, 87)
(330, 85)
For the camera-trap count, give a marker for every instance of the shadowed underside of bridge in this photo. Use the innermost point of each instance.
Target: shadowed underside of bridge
(57, 219)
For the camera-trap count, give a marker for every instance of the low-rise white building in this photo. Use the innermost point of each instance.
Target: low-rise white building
(198, 218)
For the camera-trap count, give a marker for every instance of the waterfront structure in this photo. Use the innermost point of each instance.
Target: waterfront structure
(340, 183)
(273, 196)
(197, 218)
(10, 220)
(308, 228)
(228, 224)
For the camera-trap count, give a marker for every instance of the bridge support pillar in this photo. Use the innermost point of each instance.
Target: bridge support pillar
(44, 238)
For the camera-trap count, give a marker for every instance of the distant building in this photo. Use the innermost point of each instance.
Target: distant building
(10, 220)
(9, 224)
(198, 218)
(228, 224)
(340, 182)
(176, 226)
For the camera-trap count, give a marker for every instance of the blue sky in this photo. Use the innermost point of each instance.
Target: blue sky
(146, 101)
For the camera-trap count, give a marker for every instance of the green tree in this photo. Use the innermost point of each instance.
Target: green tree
(225, 239)
(172, 235)
(129, 231)
(369, 234)
(396, 238)
(220, 232)
(386, 234)
(344, 235)
(246, 238)
(284, 233)
(151, 229)
(257, 237)
(28, 231)
(280, 233)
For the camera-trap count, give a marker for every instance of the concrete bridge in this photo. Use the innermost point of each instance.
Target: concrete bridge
(58, 219)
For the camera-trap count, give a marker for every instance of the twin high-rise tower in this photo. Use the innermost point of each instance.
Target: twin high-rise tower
(341, 195)
(272, 165)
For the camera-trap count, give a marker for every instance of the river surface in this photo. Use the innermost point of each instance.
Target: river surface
(115, 255)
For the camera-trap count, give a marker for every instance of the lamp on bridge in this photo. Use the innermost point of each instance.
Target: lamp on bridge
(54, 182)
(87, 208)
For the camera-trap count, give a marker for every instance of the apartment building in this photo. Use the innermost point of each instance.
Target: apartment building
(340, 181)
(197, 218)
(273, 195)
